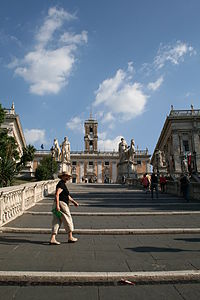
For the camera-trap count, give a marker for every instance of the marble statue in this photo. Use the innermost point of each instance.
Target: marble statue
(65, 150)
(159, 158)
(126, 153)
(185, 165)
(122, 149)
(56, 150)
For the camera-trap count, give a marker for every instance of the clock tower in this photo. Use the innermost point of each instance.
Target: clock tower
(91, 137)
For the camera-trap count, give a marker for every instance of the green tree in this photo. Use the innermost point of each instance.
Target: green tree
(28, 155)
(46, 168)
(2, 114)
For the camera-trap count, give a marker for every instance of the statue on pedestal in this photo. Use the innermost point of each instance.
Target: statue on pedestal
(160, 158)
(122, 149)
(185, 165)
(65, 150)
(126, 167)
(56, 150)
(126, 153)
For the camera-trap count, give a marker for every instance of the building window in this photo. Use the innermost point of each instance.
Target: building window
(91, 145)
(186, 146)
(74, 163)
(107, 163)
(91, 130)
(90, 163)
(139, 162)
(73, 179)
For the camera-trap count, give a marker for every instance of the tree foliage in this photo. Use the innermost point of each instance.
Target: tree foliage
(46, 168)
(28, 155)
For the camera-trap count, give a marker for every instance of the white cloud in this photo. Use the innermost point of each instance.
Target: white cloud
(47, 71)
(72, 38)
(14, 63)
(75, 124)
(108, 117)
(109, 145)
(48, 67)
(121, 96)
(53, 21)
(173, 54)
(35, 135)
(153, 86)
(102, 135)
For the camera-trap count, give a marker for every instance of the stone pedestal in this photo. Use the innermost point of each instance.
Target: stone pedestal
(64, 166)
(126, 169)
(162, 170)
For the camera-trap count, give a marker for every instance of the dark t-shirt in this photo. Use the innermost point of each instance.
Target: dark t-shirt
(64, 195)
(154, 179)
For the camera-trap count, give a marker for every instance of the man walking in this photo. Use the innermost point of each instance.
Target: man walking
(154, 184)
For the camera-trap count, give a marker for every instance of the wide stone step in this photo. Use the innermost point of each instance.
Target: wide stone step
(117, 214)
(144, 231)
(66, 278)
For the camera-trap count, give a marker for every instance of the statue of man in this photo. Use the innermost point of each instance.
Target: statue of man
(185, 165)
(131, 150)
(122, 149)
(56, 149)
(65, 150)
(159, 158)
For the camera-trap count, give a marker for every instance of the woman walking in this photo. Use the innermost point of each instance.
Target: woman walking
(61, 210)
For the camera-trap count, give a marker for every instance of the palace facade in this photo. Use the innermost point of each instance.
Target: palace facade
(93, 165)
(13, 125)
(179, 142)
(90, 165)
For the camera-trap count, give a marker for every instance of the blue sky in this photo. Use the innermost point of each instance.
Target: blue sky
(126, 61)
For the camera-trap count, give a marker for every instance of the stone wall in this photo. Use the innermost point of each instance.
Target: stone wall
(173, 187)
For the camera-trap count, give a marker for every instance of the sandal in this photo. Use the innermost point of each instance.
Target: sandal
(73, 240)
(54, 243)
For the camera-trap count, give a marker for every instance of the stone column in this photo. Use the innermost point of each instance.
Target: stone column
(114, 172)
(176, 151)
(85, 168)
(99, 172)
(197, 149)
(81, 171)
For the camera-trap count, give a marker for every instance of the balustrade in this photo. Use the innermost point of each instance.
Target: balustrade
(15, 200)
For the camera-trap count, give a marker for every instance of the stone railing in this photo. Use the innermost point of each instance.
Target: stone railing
(189, 112)
(173, 187)
(16, 199)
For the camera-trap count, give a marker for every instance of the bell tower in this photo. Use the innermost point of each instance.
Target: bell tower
(91, 137)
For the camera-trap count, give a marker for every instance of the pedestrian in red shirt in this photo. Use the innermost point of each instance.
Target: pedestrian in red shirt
(163, 183)
(145, 182)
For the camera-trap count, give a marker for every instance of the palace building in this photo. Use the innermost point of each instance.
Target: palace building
(179, 142)
(93, 165)
(13, 125)
(90, 165)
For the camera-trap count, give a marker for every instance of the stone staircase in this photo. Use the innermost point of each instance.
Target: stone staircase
(124, 235)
